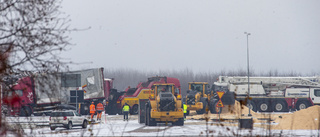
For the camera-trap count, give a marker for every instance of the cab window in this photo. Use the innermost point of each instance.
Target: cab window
(19, 92)
(164, 88)
(317, 92)
(77, 114)
(197, 87)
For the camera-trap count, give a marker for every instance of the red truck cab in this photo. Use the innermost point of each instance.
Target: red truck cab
(20, 97)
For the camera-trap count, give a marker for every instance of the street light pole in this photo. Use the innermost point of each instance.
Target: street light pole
(248, 100)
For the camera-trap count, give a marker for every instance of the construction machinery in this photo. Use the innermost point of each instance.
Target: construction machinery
(201, 97)
(131, 96)
(198, 97)
(164, 106)
(278, 94)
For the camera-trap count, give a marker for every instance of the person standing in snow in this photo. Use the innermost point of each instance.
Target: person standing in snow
(125, 111)
(92, 110)
(99, 111)
(185, 107)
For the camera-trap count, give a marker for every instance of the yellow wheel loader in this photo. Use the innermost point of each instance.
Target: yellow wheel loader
(201, 97)
(164, 106)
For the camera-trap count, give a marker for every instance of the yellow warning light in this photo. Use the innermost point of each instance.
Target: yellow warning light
(179, 97)
(152, 96)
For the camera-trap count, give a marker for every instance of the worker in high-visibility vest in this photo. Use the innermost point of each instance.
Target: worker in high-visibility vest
(185, 111)
(99, 111)
(125, 111)
(92, 110)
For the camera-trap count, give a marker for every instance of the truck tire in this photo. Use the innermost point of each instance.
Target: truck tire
(180, 122)
(151, 121)
(25, 111)
(263, 106)
(147, 115)
(214, 109)
(85, 124)
(279, 106)
(251, 105)
(69, 126)
(134, 109)
(205, 104)
(52, 128)
(302, 105)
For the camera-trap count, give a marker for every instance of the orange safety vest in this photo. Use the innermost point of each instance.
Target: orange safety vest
(100, 107)
(92, 108)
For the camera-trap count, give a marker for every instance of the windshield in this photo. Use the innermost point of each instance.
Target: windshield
(164, 88)
(197, 87)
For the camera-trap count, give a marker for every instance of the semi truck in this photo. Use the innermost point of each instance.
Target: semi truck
(39, 93)
(278, 94)
(131, 96)
(164, 106)
(200, 97)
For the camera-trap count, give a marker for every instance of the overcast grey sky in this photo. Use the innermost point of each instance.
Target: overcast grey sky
(200, 35)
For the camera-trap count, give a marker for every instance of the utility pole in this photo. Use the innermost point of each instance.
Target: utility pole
(248, 101)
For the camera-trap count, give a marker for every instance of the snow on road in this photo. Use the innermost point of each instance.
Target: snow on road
(115, 126)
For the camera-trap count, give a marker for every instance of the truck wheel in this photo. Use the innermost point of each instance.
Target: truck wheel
(152, 122)
(147, 115)
(251, 105)
(302, 105)
(52, 128)
(149, 121)
(279, 106)
(146, 119)
(134, 110)
(25, 111)
(85, 124)
(180, 122)
(69, 126)
(263, 106)
(213, 109)
(203, 110)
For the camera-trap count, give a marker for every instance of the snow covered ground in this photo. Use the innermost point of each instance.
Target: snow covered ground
(113, 125)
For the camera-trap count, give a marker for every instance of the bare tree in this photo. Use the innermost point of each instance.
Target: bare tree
(32, 34)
